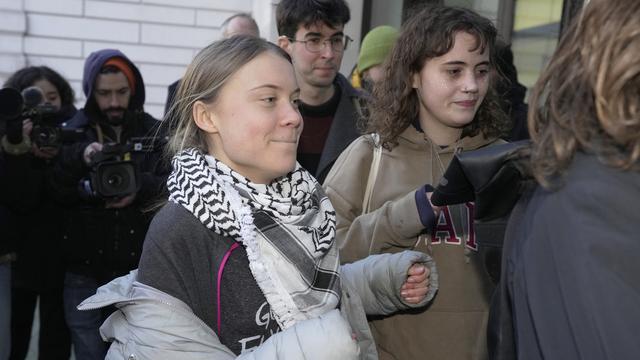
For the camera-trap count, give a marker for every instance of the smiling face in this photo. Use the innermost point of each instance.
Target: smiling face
(451, 87)
(254, 125)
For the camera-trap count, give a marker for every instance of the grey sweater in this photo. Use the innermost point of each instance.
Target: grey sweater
(184, 259)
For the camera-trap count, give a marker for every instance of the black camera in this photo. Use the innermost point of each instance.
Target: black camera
(113, 172)
(16, 106)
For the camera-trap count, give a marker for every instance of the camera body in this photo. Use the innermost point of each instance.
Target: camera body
(113, 172)
(16, 107)
(46, 132)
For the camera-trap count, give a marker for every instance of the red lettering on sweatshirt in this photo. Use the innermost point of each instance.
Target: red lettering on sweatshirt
(444, 228)
(471, 239)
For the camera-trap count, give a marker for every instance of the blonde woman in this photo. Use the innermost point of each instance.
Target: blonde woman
(241, 261)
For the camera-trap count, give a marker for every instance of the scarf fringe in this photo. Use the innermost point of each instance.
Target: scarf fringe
(282, 310)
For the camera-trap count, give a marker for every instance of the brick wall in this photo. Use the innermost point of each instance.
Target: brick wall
(160, 36)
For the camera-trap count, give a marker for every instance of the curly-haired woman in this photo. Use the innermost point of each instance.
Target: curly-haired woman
(435, 100)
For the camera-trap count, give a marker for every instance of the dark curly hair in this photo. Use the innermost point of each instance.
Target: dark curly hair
(588, 97)
(428, 34)
(29, 75)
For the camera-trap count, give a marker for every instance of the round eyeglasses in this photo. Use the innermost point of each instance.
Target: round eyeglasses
(315, 45)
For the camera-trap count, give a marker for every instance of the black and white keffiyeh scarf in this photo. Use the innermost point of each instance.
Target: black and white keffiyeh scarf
(287, 227)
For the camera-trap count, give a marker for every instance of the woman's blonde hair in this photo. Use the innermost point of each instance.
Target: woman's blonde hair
(588, 97)
(205, 77)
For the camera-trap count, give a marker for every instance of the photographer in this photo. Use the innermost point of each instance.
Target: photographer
(106, 230)
(31, 143)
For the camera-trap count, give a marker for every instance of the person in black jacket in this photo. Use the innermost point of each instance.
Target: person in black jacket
(37, 273)
(7, 254)
(105, 231)
(570, 286)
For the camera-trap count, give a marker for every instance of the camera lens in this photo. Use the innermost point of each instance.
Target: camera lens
(115, 180)
(44, 136)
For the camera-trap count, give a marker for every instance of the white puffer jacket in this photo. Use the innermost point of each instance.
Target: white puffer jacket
(150, 324)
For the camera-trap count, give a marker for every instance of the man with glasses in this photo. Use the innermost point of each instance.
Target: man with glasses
(311, 32)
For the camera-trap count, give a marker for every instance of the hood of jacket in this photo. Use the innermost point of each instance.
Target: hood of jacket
(416, 139)
(92, 67)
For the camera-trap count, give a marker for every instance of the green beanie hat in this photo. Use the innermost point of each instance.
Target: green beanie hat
(376, 46)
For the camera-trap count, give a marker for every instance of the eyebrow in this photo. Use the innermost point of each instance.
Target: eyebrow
(272, 86)
(464, 63)
(120, 89)
(314, 34)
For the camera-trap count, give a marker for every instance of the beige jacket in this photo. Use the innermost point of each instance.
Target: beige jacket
(454, 325)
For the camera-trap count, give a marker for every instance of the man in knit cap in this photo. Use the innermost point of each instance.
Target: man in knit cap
(375, 48)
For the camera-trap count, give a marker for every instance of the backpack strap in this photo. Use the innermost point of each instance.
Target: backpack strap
(225, 258)
(373, 173)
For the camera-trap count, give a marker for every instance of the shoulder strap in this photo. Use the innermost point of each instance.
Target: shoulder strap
(373, 173)
(219, 285)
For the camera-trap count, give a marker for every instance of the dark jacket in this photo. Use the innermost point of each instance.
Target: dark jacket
(99, 242)
(38, 223)
(570, 287)
(7, 224)
(172, 90)
(343, 128)
(35, 218)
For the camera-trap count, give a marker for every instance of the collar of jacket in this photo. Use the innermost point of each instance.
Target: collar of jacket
(344, 127)
(346, 87)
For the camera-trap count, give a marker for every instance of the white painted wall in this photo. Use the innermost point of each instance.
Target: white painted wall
(159, 36)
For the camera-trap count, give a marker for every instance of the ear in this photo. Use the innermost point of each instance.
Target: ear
(204, 118)
(415, 80)
(284, 43)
